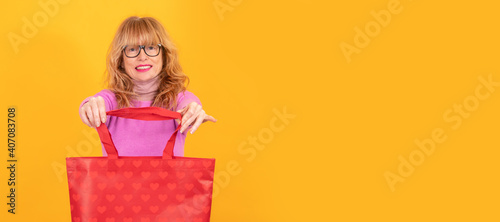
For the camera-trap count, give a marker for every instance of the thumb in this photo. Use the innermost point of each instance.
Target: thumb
(182, 110)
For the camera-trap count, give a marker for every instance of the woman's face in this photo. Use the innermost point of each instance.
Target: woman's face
(143, 67)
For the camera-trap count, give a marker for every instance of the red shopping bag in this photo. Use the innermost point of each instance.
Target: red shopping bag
(140, 189)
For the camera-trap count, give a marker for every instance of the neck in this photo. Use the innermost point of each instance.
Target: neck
(146, 90)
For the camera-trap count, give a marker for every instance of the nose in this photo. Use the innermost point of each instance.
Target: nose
(142, 55)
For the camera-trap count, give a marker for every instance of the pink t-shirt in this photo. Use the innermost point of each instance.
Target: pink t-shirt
(143, 138)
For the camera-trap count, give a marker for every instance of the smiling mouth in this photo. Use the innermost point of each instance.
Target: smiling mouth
(143, 67)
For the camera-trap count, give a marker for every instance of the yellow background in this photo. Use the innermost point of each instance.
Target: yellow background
(353, 120)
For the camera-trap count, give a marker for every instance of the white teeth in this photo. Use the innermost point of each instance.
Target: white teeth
(143, 67)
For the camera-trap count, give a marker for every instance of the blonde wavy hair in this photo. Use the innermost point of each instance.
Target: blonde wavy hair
(146, 30)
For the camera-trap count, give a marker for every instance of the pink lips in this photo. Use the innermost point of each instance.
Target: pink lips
(143, 68)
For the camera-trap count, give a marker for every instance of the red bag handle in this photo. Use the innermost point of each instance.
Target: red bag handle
(143, 113)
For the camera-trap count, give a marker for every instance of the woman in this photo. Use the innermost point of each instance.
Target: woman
(143, 70)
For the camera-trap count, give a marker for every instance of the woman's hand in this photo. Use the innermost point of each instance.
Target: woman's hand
(93, 112)
(193, 116)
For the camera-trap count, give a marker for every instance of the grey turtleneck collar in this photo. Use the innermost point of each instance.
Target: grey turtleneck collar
(146, 90)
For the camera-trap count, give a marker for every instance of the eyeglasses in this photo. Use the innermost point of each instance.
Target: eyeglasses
(132, 51)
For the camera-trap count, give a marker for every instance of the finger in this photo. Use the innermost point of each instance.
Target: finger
(182, 110)
(83, 116)
(195, 113)
(209, 118)
(102, 108)
(186, 114)
(90, 115)
(183, 121)
(198, 122)
(189, 110)
(95, 112)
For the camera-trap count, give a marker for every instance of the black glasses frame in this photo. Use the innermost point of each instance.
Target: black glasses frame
(142, 47)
